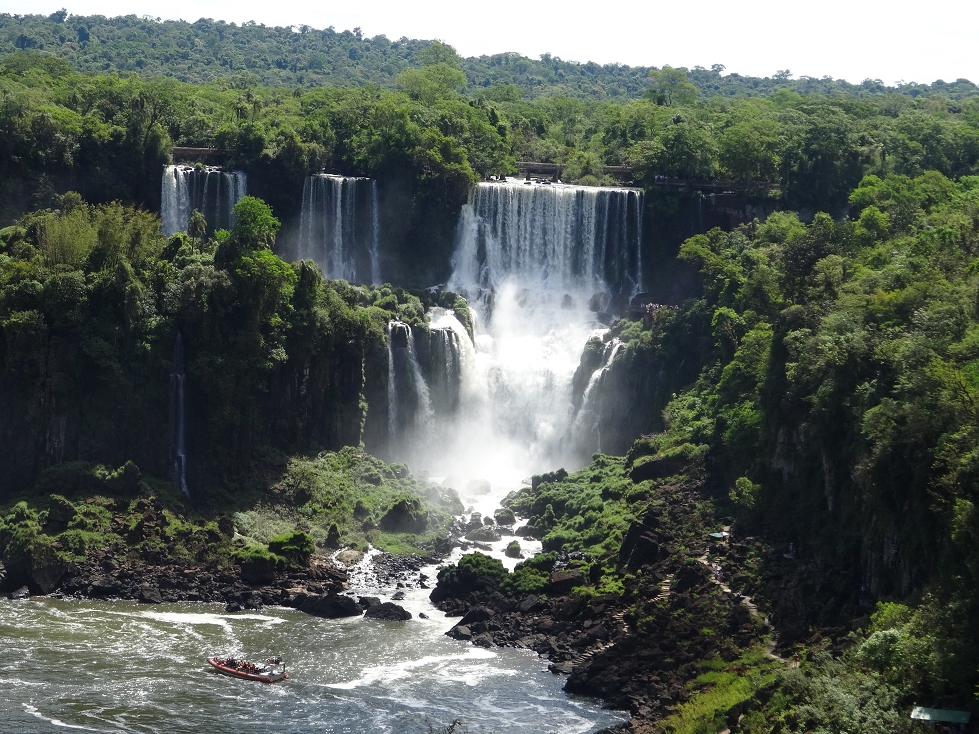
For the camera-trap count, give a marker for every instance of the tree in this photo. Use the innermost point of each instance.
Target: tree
(254, 226)
(671, 87)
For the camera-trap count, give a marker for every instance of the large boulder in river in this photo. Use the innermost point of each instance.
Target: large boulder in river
(388, 611)
(484, 533)
(331, 606)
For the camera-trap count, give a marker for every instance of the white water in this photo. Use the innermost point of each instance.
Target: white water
(339, 227)
(212, 191)
(585, 426)
(178, 417)
(536, 264)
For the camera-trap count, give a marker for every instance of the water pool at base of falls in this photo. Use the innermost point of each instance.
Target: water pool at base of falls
(128, 667)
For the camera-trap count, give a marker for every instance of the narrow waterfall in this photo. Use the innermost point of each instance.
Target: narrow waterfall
(212, 191)
(543, 267)
(339, 227)
(178, 417)
(410, 415)
(584, 430)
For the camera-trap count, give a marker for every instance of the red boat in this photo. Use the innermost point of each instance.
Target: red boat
(273, 670)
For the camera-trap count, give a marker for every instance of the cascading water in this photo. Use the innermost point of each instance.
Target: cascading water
(410, 414)
(541, 265)
(584, 431)
(211, 191)
(178, 417)
(339, 228)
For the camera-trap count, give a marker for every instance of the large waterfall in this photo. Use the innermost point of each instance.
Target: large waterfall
(211, 191)
(543, 267)
(339, 227)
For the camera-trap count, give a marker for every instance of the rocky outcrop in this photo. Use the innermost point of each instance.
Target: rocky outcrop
(405, 516)
(331, 606)
(388, 611)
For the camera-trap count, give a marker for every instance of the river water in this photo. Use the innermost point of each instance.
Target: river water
(129, 667)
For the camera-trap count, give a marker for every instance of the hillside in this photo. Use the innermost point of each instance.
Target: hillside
(206, 50)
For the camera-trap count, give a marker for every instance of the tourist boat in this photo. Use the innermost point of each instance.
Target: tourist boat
(271, 671)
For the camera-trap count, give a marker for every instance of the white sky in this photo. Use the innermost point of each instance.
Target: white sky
(848, 39)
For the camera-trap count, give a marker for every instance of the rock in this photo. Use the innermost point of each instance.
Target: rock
(103, 586)
(478, 486)
(405, 516)
(388, 611)
(60, 513)
(488, 520)
(476, 614)
(531, 603)
(483, 640)
(226, 525)
(369, 601)
(331, 606)
(657, 467)
(562, 582)
(513, 550)
(564, 668)
(504, 516)
(45, 569)
(149, 595)
(460, 632)
(484, 533)
(232, 606)
(422, 615)
(22, 593)
(398, 596)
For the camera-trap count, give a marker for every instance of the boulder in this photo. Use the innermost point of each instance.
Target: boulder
(484, 533)
(60, 513)
(149, 595)
(478, 486)
(460, 632)
(531, 603)
(504, 516)
(476, 614)
(513, 550)
(562, 582)
(388, 611)
(22, 593)
(45, 569)
(397, 596)
(369, 601)
(405, 516)
(331, 606)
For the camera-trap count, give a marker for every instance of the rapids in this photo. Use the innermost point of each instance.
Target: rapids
(128, 667)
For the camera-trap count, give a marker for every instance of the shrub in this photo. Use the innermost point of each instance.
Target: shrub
(295, 548)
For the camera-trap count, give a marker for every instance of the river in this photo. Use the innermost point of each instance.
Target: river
(128, 667)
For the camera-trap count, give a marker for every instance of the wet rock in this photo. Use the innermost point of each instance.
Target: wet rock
(398, 596)
(504, 516)
(232, 606)
(484, 533)
(483, 640)
(22, 593)
(422, 615)
(331, 606)
(563, 668)
(149, 595)
(513, 550)
(388, 611)
(45, 570)
(477, 614)
(369, 601)
(479, 486)
(530, 603)
(460, 632)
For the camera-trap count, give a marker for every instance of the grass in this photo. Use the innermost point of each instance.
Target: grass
(717, 690)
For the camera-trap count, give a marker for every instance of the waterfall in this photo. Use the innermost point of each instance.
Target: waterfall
(584, 429)
(543, 267)
(339, 227)
(178, 417)
(410, 414)
(211, 191)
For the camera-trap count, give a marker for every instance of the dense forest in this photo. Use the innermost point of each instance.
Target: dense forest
(815, 388)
